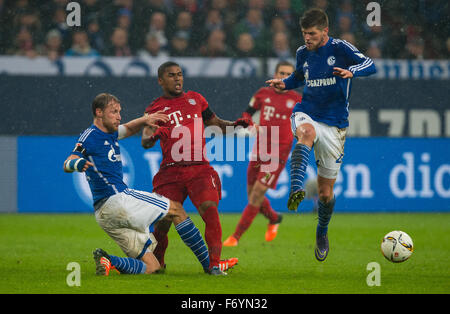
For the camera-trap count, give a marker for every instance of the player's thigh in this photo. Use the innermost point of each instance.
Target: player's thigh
(144, 209)
(132, 209)
(169, 182)
(252, 172)
(329, 150)
(205, 187)
(173, 191)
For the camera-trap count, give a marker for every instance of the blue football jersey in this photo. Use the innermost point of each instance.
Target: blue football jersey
(326, 96)
(102, 149)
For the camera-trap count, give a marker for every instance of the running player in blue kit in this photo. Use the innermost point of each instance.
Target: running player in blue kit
(326, 67)
(125, 214)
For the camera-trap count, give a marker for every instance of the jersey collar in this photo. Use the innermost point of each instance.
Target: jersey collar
(323, 48)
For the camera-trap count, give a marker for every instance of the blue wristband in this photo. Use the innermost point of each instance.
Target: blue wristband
(76, 164)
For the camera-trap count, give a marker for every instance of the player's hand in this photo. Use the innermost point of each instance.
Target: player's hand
(277, 83)
(244, 121)
(343, 73)
(86, 166)
(161, 132)
(154, 119)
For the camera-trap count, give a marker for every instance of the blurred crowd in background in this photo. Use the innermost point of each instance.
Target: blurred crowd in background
(413, 29)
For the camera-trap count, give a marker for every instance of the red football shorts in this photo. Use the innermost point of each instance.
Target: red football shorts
(268, 179)
(200, 182)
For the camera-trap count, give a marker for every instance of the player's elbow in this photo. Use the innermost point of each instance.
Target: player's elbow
(371, 69)
(366, 71)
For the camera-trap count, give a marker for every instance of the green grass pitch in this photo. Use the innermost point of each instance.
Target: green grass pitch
(35, 250)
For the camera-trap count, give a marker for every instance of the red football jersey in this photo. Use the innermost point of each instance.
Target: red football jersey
(186, 143)
(275, 110)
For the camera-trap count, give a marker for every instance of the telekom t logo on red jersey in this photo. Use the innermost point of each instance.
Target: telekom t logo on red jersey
(268, 112)
(176, 117)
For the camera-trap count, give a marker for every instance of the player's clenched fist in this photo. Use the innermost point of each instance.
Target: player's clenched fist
(244, 121)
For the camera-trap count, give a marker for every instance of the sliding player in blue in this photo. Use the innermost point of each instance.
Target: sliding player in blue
(326, 67)
(125, 214)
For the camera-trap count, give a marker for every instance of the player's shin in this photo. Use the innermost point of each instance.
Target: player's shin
(325, 210)
(213, 234)
(268, 212)
(299, 163)
(128, 265)
(246, 220)
(192, 237)
(160, 233)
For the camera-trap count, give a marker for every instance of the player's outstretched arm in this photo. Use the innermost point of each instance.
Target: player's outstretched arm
(222, 124)
(134, 126)
(75, 163)
(228, 126)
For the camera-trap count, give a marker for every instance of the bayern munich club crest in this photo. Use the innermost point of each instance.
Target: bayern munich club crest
(290, 104)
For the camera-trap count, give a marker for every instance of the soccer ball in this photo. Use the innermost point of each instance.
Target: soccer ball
(397, 246)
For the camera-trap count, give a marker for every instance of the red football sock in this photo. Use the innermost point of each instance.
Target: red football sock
(160, 234)
(268, 211)
(246, 220)
(213, 234)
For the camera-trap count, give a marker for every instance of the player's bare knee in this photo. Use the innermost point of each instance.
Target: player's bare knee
(205, 205)
(325, 187)
(306, 134)
(176, 211)
(325, 195)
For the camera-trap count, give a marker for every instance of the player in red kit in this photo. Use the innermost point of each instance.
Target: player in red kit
(275, 108)
(184, 170)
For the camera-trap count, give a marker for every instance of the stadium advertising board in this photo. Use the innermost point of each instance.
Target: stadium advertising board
(378, 108)
(377, 175)
(200, 67)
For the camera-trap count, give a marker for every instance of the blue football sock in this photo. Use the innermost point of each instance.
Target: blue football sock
(192, 237)
(299, 163)
(128, 265)
(325, 211)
